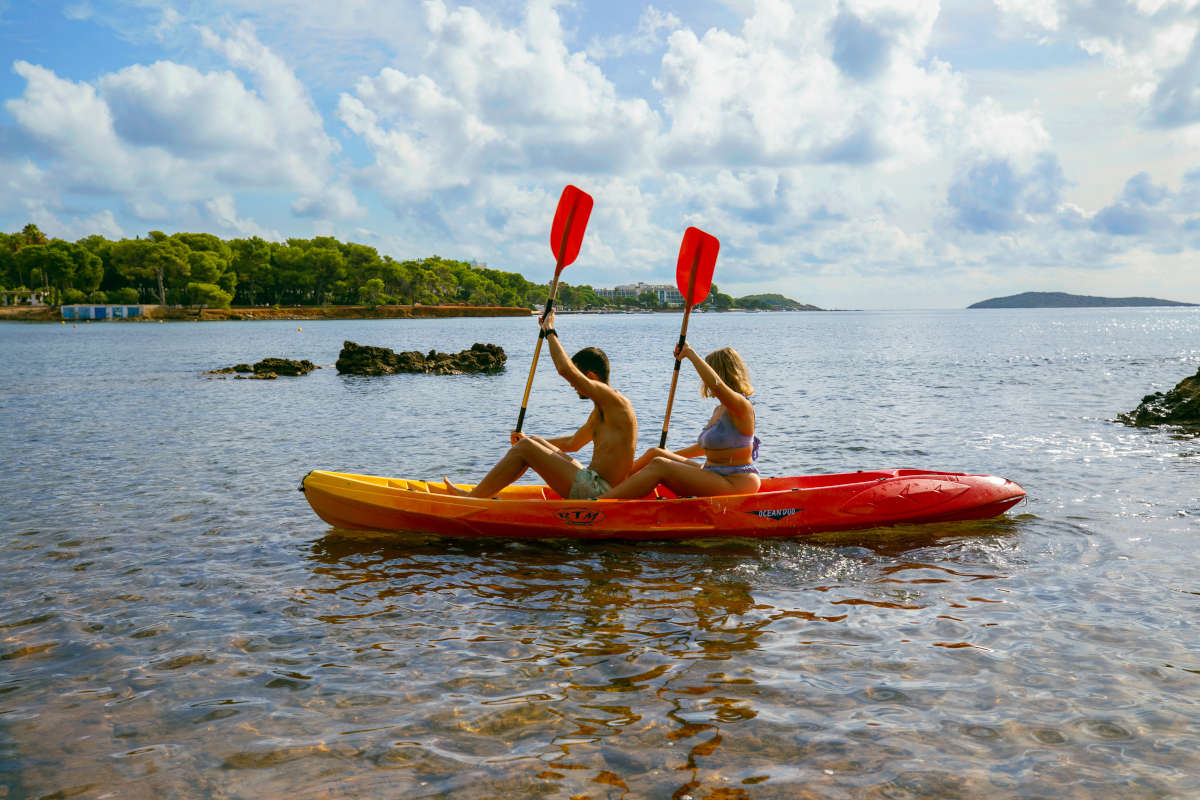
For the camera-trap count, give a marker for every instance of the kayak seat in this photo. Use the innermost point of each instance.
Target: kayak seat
(412, 486)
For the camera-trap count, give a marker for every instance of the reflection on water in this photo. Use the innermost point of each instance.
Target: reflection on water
(175, 622)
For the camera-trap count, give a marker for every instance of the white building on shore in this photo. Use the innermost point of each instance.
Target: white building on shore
(667, 295)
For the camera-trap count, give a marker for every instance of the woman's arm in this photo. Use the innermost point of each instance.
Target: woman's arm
(740, 410)
(691, 451)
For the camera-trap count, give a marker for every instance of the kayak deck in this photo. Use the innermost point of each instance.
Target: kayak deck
(783, 507)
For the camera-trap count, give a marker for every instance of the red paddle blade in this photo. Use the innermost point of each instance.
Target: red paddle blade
(697, 260)
(570, 221)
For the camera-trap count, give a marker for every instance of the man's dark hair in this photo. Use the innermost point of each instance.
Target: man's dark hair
(592, 359)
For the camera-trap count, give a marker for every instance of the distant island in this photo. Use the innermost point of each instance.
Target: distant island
(1064, 300)
(773, 302)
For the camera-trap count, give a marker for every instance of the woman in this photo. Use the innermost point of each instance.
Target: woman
(727, 443)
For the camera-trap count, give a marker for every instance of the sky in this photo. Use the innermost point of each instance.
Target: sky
(876, 154)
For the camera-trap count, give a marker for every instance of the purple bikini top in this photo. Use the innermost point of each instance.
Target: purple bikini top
(724, 435)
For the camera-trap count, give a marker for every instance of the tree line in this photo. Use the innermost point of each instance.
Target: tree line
(202, 269)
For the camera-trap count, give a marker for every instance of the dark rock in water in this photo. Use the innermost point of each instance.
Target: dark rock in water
(269, 368)
(356, 359)
(284, 366)
(231, 370)
(1180, 406)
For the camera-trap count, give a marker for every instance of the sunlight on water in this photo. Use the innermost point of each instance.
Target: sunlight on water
(176, 621)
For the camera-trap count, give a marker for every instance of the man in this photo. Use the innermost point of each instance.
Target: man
(612, 427)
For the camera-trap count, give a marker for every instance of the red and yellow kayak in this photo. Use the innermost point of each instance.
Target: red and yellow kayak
(782, 507)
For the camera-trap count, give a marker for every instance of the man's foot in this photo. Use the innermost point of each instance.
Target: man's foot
(452, 489)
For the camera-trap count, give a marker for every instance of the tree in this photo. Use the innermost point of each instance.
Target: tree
(397, 278)
(167, 259)
(49, 265)
(207, 267)
(102, 248)
(718, 300)
(32, 235)
(294, 279)
(371, 293)
(648, 299)
(8, 249)
(89, 268)
(129, 261)
(126, 295)
(251, 261)
(209, 259)
(328, 265)
(208, 294)
(362, 262)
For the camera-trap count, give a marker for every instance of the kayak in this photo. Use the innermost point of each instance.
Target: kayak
(782, 507)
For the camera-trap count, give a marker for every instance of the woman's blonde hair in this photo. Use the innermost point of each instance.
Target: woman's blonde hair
(730, 368)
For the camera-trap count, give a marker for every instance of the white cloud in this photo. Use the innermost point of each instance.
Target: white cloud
(646, 38)
(73, 122)
(103, 223)
(159, 135)
(494, 101)
(188, 113)
(1157, 42)
(78, 11)
(222, 215)
(1041, 13)
(826, 84)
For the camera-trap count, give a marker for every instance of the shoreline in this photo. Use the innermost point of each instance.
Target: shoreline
(301, 313)
(159, 314)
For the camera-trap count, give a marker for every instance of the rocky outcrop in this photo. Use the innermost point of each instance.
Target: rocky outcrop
(356, 359)
(1180, 406)
(268, 368)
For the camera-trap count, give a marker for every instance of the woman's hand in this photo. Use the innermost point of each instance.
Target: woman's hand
(685, 351)
(547, 322)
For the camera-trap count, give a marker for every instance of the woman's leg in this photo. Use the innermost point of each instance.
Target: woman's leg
(682, 477)
(657, 452)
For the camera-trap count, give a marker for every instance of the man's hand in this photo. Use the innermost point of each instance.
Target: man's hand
(547, 321)
(515, 436)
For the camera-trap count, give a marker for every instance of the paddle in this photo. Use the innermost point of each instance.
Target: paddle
(566, 234)
(693, 276)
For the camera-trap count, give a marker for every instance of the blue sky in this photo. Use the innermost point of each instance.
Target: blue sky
(847, 153)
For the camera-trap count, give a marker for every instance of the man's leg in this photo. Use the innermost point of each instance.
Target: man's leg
(556, 467)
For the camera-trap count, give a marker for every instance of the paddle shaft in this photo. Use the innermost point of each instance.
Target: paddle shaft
(687, 312)
(662, 442)
(537, 351)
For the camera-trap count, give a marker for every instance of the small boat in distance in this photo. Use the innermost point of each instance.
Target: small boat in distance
(783, 507)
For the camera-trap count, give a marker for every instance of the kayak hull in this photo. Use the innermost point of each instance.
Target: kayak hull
(783, 507)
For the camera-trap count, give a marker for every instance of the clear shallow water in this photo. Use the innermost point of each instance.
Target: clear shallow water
(175, 622)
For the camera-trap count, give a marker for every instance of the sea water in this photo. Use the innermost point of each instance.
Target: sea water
(176, 622)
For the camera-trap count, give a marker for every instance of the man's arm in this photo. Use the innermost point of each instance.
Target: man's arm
(598, 392)
(577, 440)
